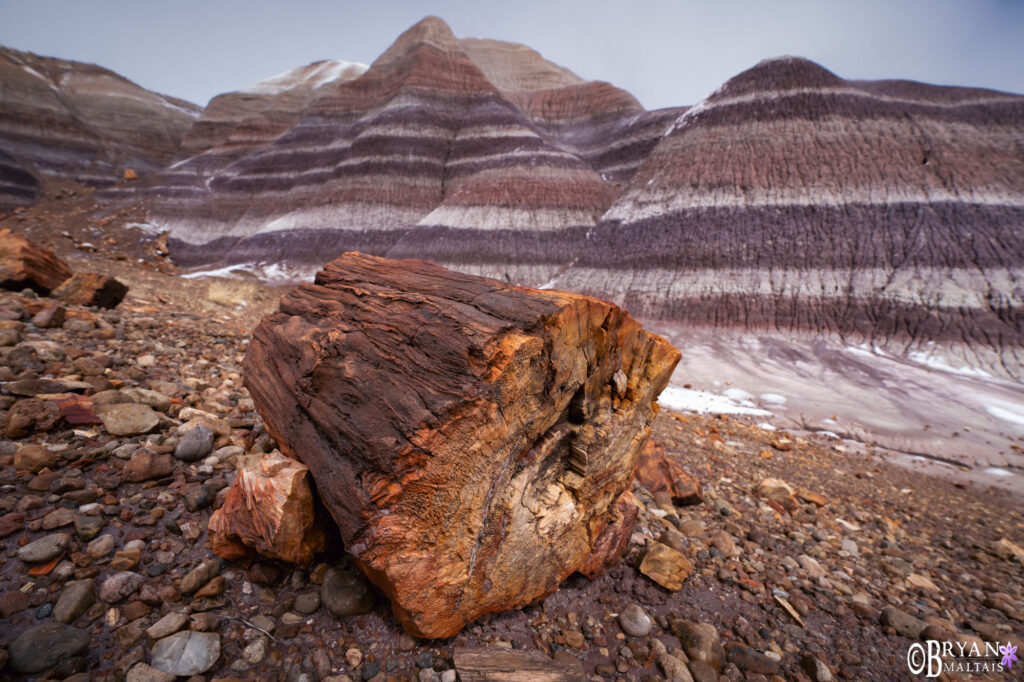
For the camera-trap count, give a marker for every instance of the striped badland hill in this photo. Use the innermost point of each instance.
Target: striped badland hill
(793, 199)
(79, 121)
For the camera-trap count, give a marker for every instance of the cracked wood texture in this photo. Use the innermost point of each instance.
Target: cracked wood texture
(269, 509)
(470, 438)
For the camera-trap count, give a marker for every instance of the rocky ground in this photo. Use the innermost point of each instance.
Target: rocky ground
(804, 560)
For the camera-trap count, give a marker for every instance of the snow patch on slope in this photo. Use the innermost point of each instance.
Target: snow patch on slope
(314, 76)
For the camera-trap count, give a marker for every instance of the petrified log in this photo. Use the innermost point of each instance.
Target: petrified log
(269, 509)
(90, 288)
(470, 438)
(25, 264)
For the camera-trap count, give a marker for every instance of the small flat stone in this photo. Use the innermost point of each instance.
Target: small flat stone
(143, 672)
(34, 458)
(101, 546)
(902, 622)
(166, 626)
(75, 599)
(128, 419)
(811, 566)
(45, 548)
(120, 585)
(635, 622)
(195, 444)
(307, 603)
(200, 575)
(186, 653)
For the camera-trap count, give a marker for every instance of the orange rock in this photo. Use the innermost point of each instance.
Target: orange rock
(130, 174)
(657, 472)
(666, 566)
(777, 491)
(90, 288)
(816, 499)
(25, 264)
(783, 444)
(268, 510)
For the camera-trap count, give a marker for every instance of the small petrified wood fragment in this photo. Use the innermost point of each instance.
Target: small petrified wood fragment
(26, 264)
(657, 472)
(91, 288)
(470, 438)
(269, 509)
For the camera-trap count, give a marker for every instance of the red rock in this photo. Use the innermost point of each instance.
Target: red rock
(50, 317)
(269, 509)
(33, 458)
(25, 264)
(42, 481)
(458, 429)
(90, 288)
(12, 602)
(817, 499)
(11, 523)
(77, 410)
(145, 465)
(774, 490)
(657, 472)
(31, 415)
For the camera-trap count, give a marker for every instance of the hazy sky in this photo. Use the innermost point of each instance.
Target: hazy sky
(666, 53)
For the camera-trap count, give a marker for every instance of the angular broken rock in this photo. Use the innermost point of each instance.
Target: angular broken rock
(90, 288)
(780, 492)
(25, 264)
(666, 566)
(270, 509)
(186, 653)
(657, 472)
(466, 435)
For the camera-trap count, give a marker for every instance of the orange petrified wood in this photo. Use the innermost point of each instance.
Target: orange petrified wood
(470, 438)
(269, 509)
(658, 473)
(26, 264)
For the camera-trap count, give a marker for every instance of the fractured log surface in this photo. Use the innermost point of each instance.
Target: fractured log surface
(470, 438)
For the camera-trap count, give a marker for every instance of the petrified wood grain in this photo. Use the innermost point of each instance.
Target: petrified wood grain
(658, 473)
(502, 665)
(470, 438)
(269, 509)
(26, 264)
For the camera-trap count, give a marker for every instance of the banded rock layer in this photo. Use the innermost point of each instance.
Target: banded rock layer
(792, 199)
(475, 154)
(80, 121)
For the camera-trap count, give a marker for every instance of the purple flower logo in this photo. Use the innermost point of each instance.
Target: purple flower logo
(1009, 653)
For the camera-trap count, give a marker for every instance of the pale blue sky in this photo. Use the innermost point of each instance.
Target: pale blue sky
(666, 53)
